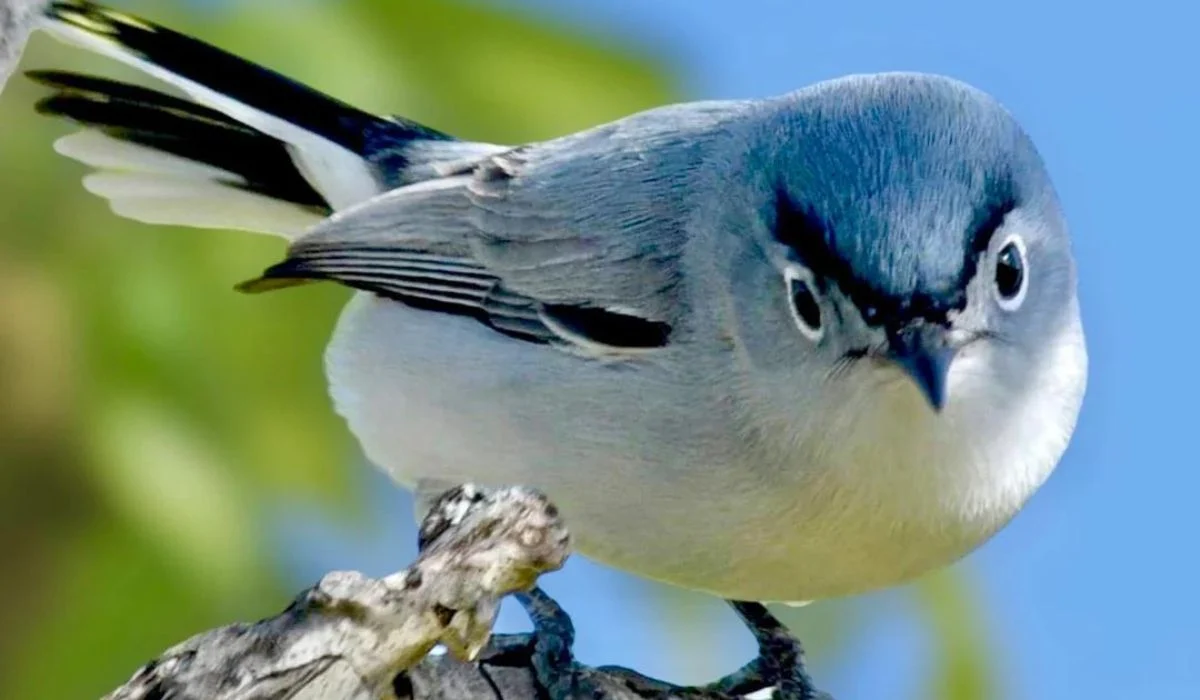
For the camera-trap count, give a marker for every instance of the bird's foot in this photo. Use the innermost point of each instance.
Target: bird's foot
(559, 675)
(780, 664)
(553, 660)
(547, 651)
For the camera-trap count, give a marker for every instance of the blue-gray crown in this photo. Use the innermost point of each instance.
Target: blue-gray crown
(892, 185)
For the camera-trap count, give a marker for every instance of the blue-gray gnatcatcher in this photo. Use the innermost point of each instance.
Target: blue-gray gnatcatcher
(779, 349)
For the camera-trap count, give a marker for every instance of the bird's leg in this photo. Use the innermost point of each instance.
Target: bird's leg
(561, 676)
(780, 661)
(548, 648)
(554, 636)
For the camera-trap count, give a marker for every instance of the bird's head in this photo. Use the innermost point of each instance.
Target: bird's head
(904, 228)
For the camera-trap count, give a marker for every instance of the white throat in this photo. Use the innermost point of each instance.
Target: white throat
(904, 490)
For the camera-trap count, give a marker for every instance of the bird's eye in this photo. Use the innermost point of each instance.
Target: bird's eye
(806, 309)
(1010, 274)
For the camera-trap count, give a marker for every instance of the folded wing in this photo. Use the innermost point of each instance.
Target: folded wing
(573, 242)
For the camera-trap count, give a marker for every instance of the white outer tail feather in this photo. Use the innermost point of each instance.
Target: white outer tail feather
(194, 195)
(154, 187)
(170, 200)
(100, 150)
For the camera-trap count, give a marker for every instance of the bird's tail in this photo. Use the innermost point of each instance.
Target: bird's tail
(247, 149)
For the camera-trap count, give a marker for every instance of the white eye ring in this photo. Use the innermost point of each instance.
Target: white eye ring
(1013, 301)
(798, 283)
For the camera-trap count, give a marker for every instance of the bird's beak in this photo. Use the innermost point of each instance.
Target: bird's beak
(922, 350)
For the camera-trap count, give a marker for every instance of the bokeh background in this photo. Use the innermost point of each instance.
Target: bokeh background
(169, 460)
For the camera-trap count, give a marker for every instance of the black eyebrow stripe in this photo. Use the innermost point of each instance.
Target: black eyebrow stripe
(990, 221)
(800, 230)
(804, 233)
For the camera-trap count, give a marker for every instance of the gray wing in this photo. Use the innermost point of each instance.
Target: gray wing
(575, 240)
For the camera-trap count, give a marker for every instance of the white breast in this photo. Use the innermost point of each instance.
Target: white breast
(902, 490)
(883, 491)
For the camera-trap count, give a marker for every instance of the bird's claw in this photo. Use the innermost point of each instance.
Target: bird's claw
(554, 661)
(780, 664)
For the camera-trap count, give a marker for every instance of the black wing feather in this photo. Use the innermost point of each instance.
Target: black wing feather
(242, 80)
(460, 287)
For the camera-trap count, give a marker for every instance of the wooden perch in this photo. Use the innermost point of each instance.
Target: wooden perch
(353, 637)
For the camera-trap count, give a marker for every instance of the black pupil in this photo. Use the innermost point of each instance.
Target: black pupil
(805, 304)
(1010, 271)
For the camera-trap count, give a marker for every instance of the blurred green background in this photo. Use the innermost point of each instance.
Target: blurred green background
(152, 420)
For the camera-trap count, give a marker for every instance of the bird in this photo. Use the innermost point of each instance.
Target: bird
(779, 349)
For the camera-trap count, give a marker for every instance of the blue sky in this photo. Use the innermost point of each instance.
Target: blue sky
(1090, 592)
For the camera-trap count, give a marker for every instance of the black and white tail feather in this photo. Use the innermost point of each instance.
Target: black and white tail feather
(250, 150)
(535, 242)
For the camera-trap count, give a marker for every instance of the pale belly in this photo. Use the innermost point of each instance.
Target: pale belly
(649, 473)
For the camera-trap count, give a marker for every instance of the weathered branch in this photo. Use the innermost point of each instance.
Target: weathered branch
(353, 637)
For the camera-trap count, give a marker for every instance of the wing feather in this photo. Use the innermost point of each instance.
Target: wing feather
(574, 241)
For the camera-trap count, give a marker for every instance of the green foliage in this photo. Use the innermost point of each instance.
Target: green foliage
(964, 665)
